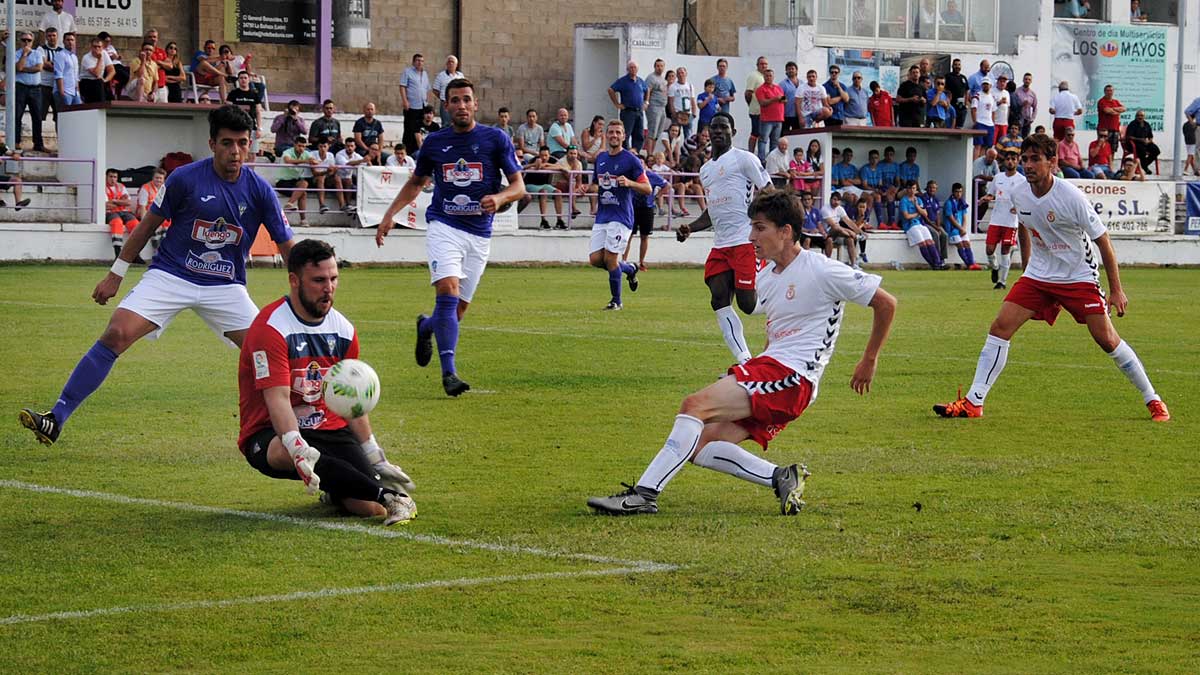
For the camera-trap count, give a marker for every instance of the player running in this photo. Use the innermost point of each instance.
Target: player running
(618, 174)
(1061, 273)
(216, 208)
(730, 179)
(287, 432)
(465, 161)
(1002, 224)
(803, 294)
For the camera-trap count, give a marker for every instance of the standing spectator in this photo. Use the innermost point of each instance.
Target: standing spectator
(976, 80)
(812, 108)
(1189, 144)
(910, 99)
(725, 89)
(1139, 140)
(504, 122)
(300, 162)
(856, 104)
(1000, 116)
(753, 81)
(681, 101)
(247, 98)
(770, 102)
(204, 65)
(706, 104)
(173, 72)
(835, 98)
(790, 85)
(656, 105)
(631, 104)
(562, 134)
(49, 51)
(1108, 117)
(325, 128)
(286, 127)
(1026, 100)
(777, 163)
(1192, 111)
(368, 130)
(96, 71)
(940, 112)
(62, 22)
(956, 85)
(1100, 156)
(414, 90)
(121, 77)
(983, 109)
(29, 64)
(530, 136)
(1065, 106)
(444, 77)
(880, 106)
(66, 74)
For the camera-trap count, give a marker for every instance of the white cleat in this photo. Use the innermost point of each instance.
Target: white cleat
(401, 509)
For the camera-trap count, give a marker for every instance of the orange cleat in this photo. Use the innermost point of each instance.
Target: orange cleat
(1158, 411)
(958, 408)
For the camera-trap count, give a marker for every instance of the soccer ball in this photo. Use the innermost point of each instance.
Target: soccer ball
(350, 388)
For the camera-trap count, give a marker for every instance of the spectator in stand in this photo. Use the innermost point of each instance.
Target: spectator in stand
(1135, 12)
(29, 64)
(592, 140)
(910, 99)
(656, 105)
(428, 126)
(681, 101)
(1108, 117)
(841, 229)
(530, 136)
(856, 104)
(121, 77)
(1189, 144)
(414, 90)
(539, 181)
(689, 185)
(812, 229)
(295, 178)
(204, 67)
(672, 145)
(10, 177)
(118, 210)
(698, 144)
(1192, 112)
(369, 130)
(753, 81)
(909, 170)
(1100, 156)
(323, 172)
(631, 103)
(661, 168)
(986, 167)
(813, 169)
(325, 128)
(66, 74)
(571, 162)
(145, 197)
(1026, 100)
(1065, 106)
(890, 172)
(956, 85)
(777, 163)
(725, 89)
(811, 101)
(706, 104)
(561, 134)
(791, 86)
(173, 71)
(504, 122)
(835, 97)
(287, 126)
(49, 51)
(1011, 141)
(1139, 140)
(796, 170)
(62, 22)
(983, 109)
(444, 77)
(770, 103)
(400, 159)
(939, 112)
(846, 179)
(871, 179)
(247, 98)
(161, 62)
(880, 107)
(143, 76)
(976, 80)
(95, 74)
(1003, 103)
(347, 159)
(957, 226)
(1130, 170)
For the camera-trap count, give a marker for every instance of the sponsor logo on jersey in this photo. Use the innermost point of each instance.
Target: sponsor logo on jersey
(461, 205)
(307, 382)
(606, 181)
(261, 369)
(215, 235)
(308, 417)
(210, 263)
(462, 173)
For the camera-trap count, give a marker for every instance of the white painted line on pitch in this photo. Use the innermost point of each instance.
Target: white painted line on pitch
(311, 595)
(371, 530)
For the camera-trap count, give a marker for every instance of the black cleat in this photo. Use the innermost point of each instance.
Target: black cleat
(633, 282)
(627, 503)
(453, 385)
(43, 425)
(424, 344)
(999, 285)
(995, 276)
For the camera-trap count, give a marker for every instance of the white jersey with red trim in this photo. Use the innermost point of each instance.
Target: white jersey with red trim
(729, 182)
(1062, 225)
(804, 303)
(1001, 187)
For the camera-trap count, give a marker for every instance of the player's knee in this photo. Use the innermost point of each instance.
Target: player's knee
(695, 405)
(118, 337)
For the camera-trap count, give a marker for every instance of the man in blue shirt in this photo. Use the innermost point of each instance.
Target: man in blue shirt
(631, 90)
(933, 217)
(725, 89)
(870, 177)
(66, 74)
(835, 98)
(617, 174)
(975, 81)
(465, 161)
(856, 105)
(955, 223)
(790, 85)
(911, 215)
(846, 179)
(29, 63)
(215, 208)
(909, 169)
(414, 92)
(890, 172)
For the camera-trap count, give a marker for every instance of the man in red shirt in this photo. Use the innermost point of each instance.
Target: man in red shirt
(1100, 156)
(164, 63)
(771, 106)
(1108, 110)
(880, 107)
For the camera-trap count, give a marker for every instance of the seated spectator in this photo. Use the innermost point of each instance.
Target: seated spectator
(143, 76)
(323, 172)
(690, 185)
(145, 197)
(66, 74)
(326, 127)
(1130, 170)
(531, 136)
(777, 164)
(539, 182)
(661, 167)
(911, 214)
(1069, 160)
(204, 69)
(367, 130)
(840, 229)
(505, 122)
(561, 134)
(846, 179)
(173, 71)
(295, 177)
(1136, 15)
(571, 162)
(698, 143)
(400, 159)
(244, 96)
(287, 127)
(428, 125)
(592, 140)
(957, 226)
(1139, 140)
(812, 230)
(933, 217)
(118, 210)
(11, 177)
(374, 156)
(121, 71)
(347, 159)
(1100, 156)
(672, 144)
(870, 176)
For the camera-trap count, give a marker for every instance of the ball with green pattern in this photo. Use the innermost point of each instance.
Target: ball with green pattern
(350, 388)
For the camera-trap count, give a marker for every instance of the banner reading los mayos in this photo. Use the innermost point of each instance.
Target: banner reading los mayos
(1132, 207)
(1133, 59)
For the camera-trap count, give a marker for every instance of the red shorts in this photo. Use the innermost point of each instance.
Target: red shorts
(737, 259)
(1001, 132)
(1060, 127)
(998, 234)
(1045, 300)
(778, 395)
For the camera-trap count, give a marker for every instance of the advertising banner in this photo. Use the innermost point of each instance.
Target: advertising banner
(1193, 209)
(379, 185)
(118, 17)
(294, 22)
(1133, 59)
(1132, 207)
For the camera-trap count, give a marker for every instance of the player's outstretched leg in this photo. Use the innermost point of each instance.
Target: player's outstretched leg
(992, 359)
(788, 482)
(643, 497)
(87, 377)
(1105, 335)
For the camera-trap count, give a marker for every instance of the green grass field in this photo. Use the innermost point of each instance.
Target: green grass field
(1059, 533)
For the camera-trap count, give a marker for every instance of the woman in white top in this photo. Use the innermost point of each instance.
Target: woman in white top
(593, 139)
(672, 144)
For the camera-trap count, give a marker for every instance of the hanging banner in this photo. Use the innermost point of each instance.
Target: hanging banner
(294, 22)
(1133, 59)
(118, 17)
(1193, 209)
(1130, 208)
(379, 185)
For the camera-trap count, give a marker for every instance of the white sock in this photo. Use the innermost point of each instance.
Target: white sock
(731, 329)
(674, 454)
(1129, 363)
(732, 459)
(992, 261)
(992, 358)
(1005, 265)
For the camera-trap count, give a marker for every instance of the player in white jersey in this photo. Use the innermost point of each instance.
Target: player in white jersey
(730, 179)
(803, 294)
(1002, 225)
(1058, 227)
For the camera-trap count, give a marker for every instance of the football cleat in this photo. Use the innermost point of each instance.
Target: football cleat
(633, 282)
(453, 385)
(1000, 285)
(995, 275)
(627, 503)
(974, 267)
(1158, 410)
(424, 344)
(45, 427)
(788, 483)
(961, 407)
(400, 508)
(612, 306)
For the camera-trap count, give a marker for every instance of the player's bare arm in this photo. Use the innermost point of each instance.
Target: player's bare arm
(279, 407)
(1024, 242)
(1116, 294)
(884, 306)
(699, 224)
(408, 193)
(134, 244)
(514, 192)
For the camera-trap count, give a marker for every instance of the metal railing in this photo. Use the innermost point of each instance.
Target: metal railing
(84, 179)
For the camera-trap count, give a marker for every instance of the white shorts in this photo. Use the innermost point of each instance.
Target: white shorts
(959, 239)
(610, 237)
(1191, 149)
(849, 190)
(454, 253)
(159, 297)
(917, 234)
(856, 122)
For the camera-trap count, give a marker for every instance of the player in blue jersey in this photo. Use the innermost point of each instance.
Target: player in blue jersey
(618, 174)
(885, 211)
(643, 217)
(215, 208)
(465, 161)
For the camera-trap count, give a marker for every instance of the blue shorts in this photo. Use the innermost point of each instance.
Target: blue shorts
(989, 138)
(755, 125)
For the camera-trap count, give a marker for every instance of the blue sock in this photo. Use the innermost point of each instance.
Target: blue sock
(87, 377)
(628, 268)
(445, 329)
(925, 253)
(614, 284)
(879, 213)
(965, 254)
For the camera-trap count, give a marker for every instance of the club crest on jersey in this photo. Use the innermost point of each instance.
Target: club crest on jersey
(1050, 216)
(241, 210)
(210, 263)
(215, 235)
(791, 292)
(307, 382)
(462, 173)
